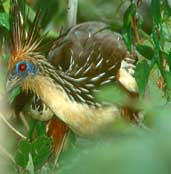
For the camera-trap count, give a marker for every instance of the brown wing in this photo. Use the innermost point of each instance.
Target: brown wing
(77, 45)
(90, 55)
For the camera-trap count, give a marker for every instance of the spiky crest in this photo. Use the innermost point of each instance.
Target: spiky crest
(23, 44)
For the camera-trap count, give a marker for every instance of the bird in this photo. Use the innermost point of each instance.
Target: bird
(62, 83)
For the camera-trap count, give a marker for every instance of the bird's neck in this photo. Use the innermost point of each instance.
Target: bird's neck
(81, 118)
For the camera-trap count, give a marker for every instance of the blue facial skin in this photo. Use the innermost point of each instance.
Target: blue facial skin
(16, 76)
(30, 69)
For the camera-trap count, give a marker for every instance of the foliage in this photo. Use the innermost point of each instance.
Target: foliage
(126, 148)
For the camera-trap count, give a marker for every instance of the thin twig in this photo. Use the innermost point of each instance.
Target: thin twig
(12, 128)
(24, 121)
(119, 7)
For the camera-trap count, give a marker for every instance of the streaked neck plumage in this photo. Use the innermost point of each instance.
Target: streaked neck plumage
(82, 118)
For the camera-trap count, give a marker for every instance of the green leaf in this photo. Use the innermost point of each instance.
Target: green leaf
(111, 94)
(30, 165)
(141, 75)
(6, 6)
(168, 56)
(13, 94)
(41, 128)
(22, 154)
(156, 11)
(158, 57)
(3, 74)
(140, 21)
(167, 77)
(4, 20)
(127, 25)
(129, 13)
(40, 149)
(128, 38)
(5, 58)
(37, 128)
(156, 40)
(52, 8)
(145, 51)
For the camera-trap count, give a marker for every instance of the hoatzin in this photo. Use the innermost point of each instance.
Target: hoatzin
(80, 61)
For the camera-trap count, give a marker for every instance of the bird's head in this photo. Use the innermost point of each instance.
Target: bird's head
(21, 73)
(25, 53)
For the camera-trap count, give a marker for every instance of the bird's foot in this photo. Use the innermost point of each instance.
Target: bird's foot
(39, 110)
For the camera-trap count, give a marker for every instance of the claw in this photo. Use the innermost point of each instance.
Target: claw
(131, 71)
(130, 60)
(127, 65)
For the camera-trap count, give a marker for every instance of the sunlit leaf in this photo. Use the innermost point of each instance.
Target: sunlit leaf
(30, 165)
(15, 92)
(4, 20)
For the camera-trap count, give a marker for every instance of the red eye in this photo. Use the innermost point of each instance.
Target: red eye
(22, 67)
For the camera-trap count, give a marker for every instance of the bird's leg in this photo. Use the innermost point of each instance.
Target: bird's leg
(127, 80)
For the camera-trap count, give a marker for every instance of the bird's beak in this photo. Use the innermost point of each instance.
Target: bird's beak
(12, 83)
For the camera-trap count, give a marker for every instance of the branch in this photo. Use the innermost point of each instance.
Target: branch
(7, 154)
(72, 12)
(12, 128)
(24, 121)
